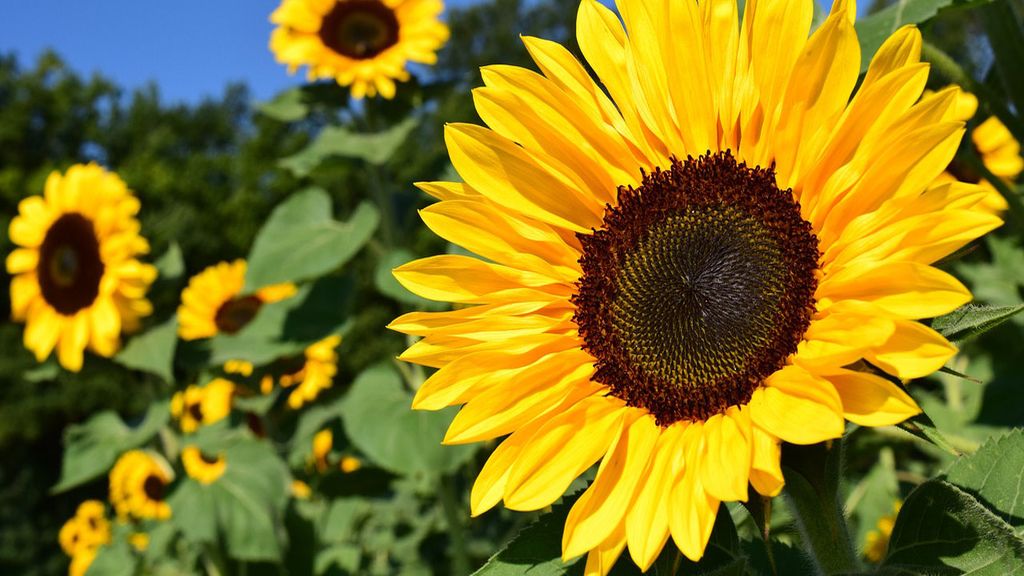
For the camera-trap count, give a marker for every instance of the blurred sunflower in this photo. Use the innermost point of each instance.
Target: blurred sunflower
(87, 530)
(211, 304)
(681, 273)
(202, 405)
(316, 374)
(138, 485)
(323, 441)
(876, 542)
(77, 281)
(365, 44)
(998, 150)
(204, 469)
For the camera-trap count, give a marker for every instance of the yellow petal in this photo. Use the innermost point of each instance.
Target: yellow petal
(842, 336)
(692, 510)
(490, 483)
(602, 559)
(913, 351)
(871, 400)
(766, 466)
(73, 342)
(905, 289)
(798, 407)
(455, 278)
(43, 330)
(725, 469)
(22, 260)
(647, 520)
(602, 508)
(562, 449)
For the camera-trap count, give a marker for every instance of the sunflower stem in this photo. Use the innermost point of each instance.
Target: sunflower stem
(456, 529)
(812, 489)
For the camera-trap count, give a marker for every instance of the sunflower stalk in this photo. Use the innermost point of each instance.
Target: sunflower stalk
(812, 490)
(456, 529)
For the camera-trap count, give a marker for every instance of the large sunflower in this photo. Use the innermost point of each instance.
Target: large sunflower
(723, 252)
(77, 281)
(365, 44)
(138, 486)
(998, 150)
(212, 302)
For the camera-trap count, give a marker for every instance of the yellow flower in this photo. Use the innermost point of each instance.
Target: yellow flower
(204, 469)
(138, 484)
(202, 405)
(77, 281)
(87, 530)
(350, 464)
(301, 490)
(322, 442)
(365, 44)
(139, 541)
(998, 149)
(212, 302)
(240, 367)
(81, 561)
(320, 364)
(681, 263)
(877, 541)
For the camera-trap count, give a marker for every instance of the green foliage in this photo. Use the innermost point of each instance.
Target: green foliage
(152, 351)
(301, 241)
(536, 549)
(995, 476)
(380, 423)
(377, 148)
(972, 320)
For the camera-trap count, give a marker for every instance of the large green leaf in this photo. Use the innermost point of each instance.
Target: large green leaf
(973, 320)
(285, 328)
(995, 476)
(376, 148)
(115, 559)
(944, 530)
(536, 550)
(152, 351)
(379, 420)
(301, 240)
(244, 507)
(91, 448)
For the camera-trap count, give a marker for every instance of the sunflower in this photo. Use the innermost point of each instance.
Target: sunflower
(877, 540)
(77, 281)
(138, 485)
(202, 405)
(319, 365)
(722, 252)
(212, 302)
(87, 530)
(995, 145)
(365, 44)
(323, 441)
(204, 469)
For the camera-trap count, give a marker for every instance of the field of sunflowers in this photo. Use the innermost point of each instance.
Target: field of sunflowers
(510, 288)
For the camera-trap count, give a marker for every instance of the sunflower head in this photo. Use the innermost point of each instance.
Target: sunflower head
(138, 486)
(365, 44)
(203, 468)
(77, 281)
(87, 530)
(714, 247)
(314, 374)
(202, 405)
(212, 303)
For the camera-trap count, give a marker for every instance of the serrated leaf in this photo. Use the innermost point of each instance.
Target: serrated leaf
(244, 507)
(379, 420)
(944, 530)
(91, 448)
(923, 427)
(301, 240)
(973, 320)
(152, 351)
(873, 30)
(287, 106)
(376, 148)
(995, 476)
(287, 327)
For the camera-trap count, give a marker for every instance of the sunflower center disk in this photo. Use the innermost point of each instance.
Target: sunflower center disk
(70, 266)
(360, 29)
(153, 487)
(697, 287)
(234, 314)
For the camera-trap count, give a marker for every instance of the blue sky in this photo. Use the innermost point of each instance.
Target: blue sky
(191, 48)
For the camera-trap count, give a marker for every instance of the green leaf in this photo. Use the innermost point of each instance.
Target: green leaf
(170, 265)
(312, 420)
(873, 30)
(386, 284)
(1003, 28)
(375, 148)
(875, 495)
(536, 550)
(244, 507)
(381, 423)
(152, 351)
(287, 327)
(973, 320)
(997, 282)
(922, 427)
(91, 448)
(995, 476)
(114, 559)
(301, 240)
(287, 106)
(344, 556)
(944, 530)
(46, 371)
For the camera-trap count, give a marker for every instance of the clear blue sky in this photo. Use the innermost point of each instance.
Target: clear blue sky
(191, 48)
